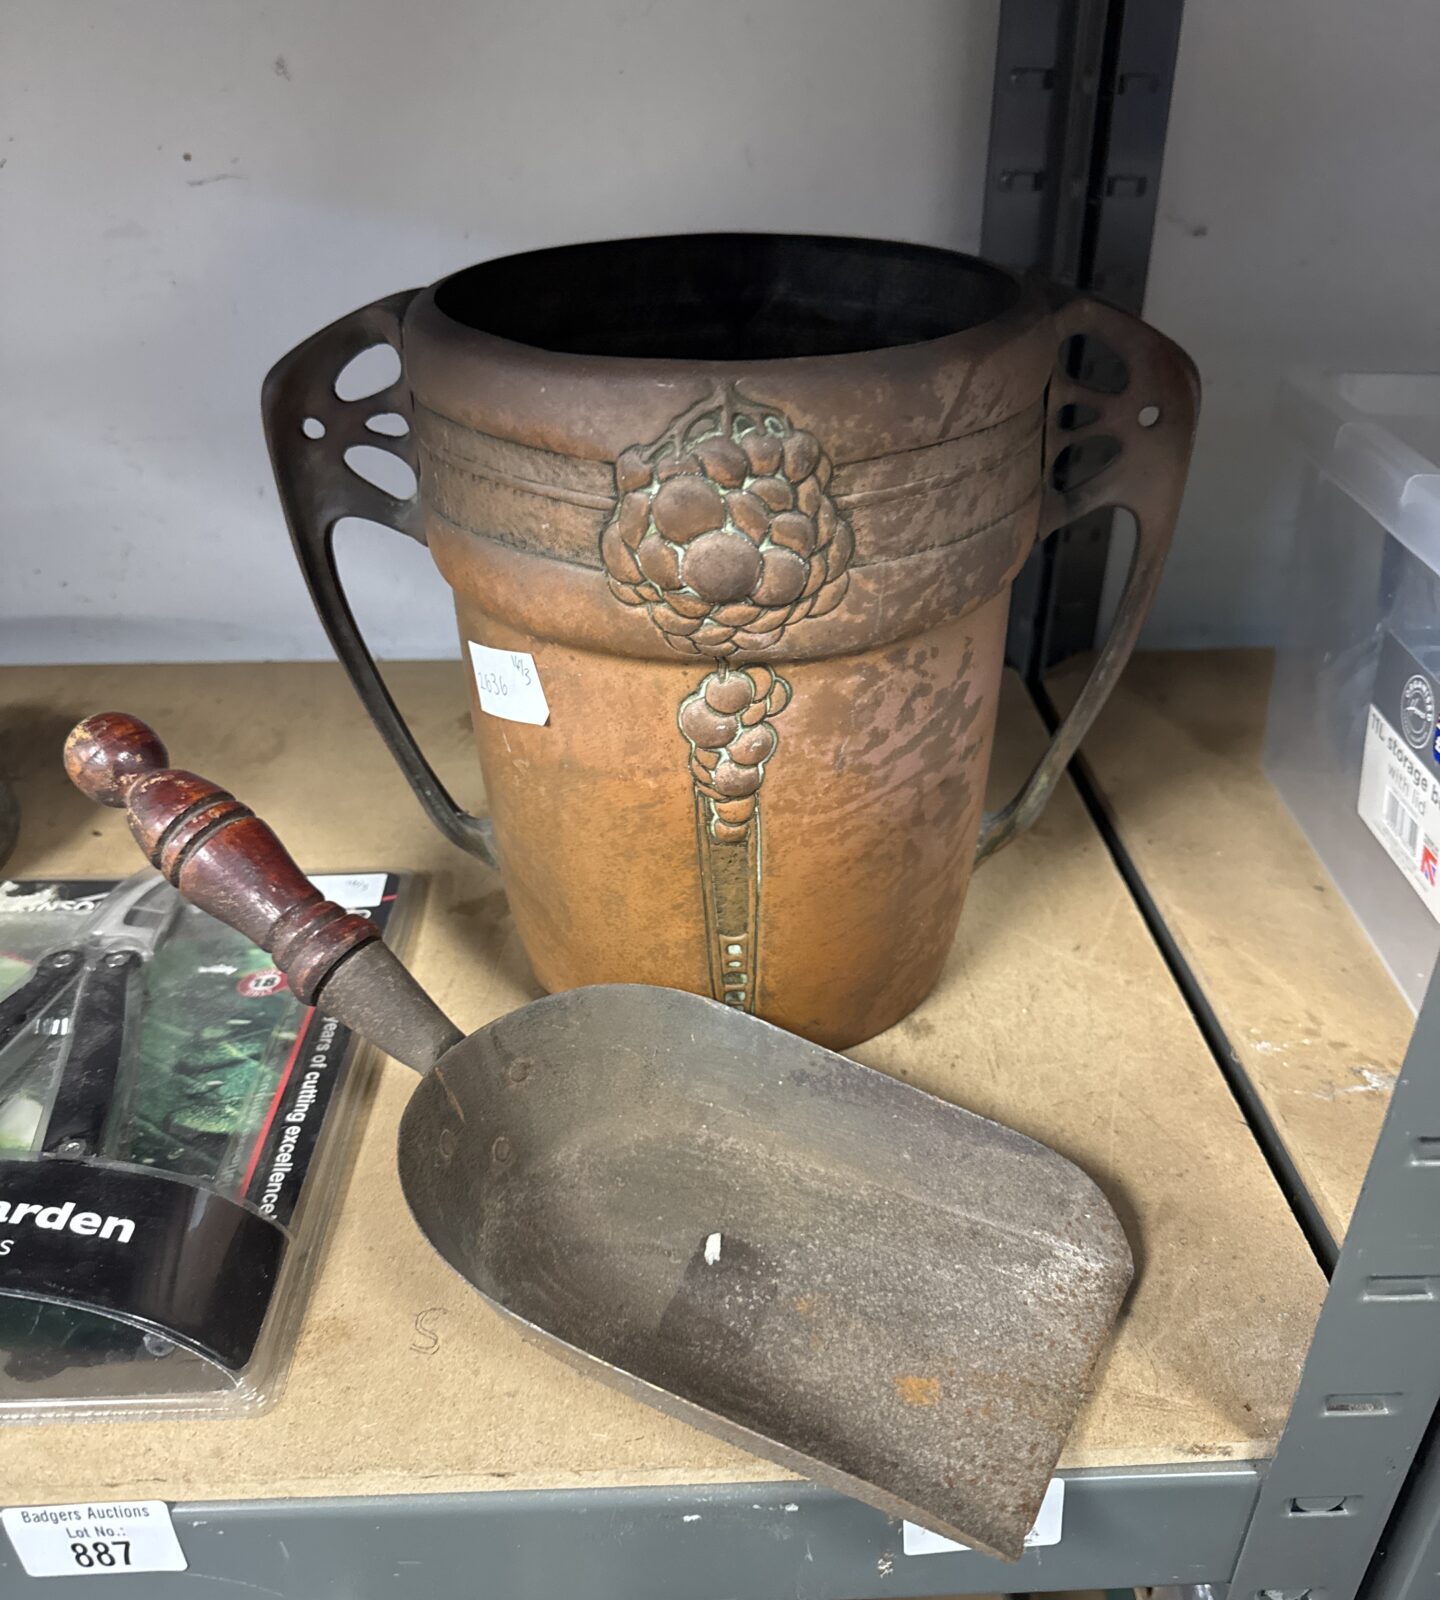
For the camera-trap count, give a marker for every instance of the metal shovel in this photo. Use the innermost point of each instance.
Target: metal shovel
(816, 1262)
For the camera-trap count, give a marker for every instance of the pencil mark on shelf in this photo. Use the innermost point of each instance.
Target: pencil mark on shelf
(427, 1339)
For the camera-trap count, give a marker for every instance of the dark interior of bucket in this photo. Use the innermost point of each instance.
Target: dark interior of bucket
(727, 296)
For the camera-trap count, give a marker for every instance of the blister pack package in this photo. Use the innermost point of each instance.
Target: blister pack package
(173, 1124)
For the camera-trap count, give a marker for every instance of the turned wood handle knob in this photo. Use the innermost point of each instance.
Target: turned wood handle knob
(216, 852)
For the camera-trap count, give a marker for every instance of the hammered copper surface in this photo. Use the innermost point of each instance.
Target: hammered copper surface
(753, 504)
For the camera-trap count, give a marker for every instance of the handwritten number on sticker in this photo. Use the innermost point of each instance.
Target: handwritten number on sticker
(508, 684)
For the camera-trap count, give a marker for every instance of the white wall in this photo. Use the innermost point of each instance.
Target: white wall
(1299, 223)
(189, 187)
(339, 151)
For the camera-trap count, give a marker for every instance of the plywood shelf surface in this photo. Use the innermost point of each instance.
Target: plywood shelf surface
(1316, 1021)
(1055, 1014)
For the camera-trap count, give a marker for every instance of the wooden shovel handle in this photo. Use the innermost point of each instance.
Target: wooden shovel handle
(215, 851)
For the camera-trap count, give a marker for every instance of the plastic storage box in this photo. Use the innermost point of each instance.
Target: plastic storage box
(1351, 741)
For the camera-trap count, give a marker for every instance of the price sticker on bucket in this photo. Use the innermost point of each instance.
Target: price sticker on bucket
(509, 685)
(100, 1540)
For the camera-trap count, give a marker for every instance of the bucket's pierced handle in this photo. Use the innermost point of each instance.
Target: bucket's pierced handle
(225, 860)
(309, 428)
(1152, 421)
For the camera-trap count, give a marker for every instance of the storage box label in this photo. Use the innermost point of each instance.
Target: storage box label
(1400, 769)
(94, 1540)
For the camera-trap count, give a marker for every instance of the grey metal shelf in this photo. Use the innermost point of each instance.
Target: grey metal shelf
(1371, 1382)
(1309, 1521)
(1306, 1523)
(764, 1542)
(1408, 1567)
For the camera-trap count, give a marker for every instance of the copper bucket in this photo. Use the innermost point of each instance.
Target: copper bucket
(752, 506)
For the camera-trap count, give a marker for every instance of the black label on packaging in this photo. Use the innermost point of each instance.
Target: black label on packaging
(161, 1252)
(286, 1144)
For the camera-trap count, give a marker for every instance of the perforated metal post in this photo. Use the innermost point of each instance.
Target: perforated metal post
(1372, 1379)
(1077, 131)
(1407, 1564)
